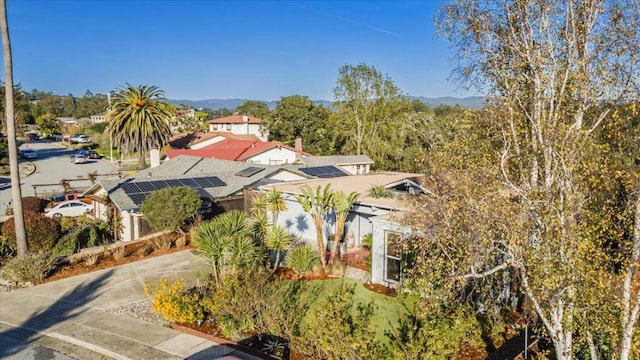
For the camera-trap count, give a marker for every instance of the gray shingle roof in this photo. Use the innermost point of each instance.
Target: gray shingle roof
(184, 167)
(312, 161)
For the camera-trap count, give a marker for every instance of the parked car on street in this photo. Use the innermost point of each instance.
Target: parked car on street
(80, 139)
(70, 208)
(28, 154)
(78, 159)
(92, 154)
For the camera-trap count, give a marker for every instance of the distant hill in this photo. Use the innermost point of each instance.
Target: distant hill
(474, 102)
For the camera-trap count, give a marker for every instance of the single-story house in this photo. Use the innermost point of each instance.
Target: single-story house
(369, 215)
(221, 184)
(240, 125)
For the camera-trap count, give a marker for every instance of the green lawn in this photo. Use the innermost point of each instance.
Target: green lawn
(388, 310)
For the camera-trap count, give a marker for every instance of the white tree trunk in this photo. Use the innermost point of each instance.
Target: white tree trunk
(630, 295)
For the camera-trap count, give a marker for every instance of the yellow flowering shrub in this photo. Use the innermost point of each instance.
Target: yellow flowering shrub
(175, 303)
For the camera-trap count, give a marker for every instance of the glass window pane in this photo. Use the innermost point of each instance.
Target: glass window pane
(393, 269)
(394, 246)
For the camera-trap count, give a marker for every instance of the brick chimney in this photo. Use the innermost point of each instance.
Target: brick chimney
(298, 147)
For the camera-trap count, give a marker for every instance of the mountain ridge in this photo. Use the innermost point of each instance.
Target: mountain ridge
(472, 102)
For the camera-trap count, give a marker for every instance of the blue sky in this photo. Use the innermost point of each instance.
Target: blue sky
(217, 49)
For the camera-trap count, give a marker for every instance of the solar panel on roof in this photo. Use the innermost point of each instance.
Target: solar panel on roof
(214, 181)
(173, 182)
(201, 182)
(190, 183)
(146, 186)
(138, 198)
(250, 171)
(130, 188)
(323, 171)
(158, 184)
(203, 194)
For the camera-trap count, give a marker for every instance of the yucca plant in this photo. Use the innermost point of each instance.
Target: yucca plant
(301, 258)
(278, 239)
(317, 203)
(341, 206)
(275, 203)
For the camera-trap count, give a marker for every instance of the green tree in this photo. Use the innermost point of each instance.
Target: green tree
(366, 100)
(341, 203)
(544, 71)
(139, 120)
(48, 123)
(317, 203)
(16, 193)
(296, 116)
(170, 208)
(255, 108)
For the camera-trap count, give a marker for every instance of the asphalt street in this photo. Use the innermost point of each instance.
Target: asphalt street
(52, 166)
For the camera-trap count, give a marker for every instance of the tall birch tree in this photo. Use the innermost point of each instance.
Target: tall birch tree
(554, 72)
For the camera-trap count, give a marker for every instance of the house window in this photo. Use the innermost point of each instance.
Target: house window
(214, 127)
(228, 127)
(393, 256)
(275, 162)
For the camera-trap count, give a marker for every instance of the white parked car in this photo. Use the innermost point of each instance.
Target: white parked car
(80, 139)
(68, 208)
(78, 159)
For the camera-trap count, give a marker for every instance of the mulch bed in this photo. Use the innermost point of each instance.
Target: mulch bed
(135, 252)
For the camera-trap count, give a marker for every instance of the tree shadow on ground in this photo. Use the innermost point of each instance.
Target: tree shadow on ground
(69, 306)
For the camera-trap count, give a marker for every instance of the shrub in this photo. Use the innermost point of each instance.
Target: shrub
(162, 242)
(380, 191)
(119, 252)
(144, 250)
(91, 260)
(34, 268)
(84, 236)
(181, 242)
(7, 251)
(33, 204)
(175, 303)
(171, 207)
(437, 336)
(302, 258)
(355, 324)
(42, 232)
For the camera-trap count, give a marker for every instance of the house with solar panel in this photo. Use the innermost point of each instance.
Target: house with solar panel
(379, 217)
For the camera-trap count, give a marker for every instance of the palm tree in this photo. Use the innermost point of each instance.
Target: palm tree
(138, 120)
(317, 204)
(16, 192)
(275, 203)
(278, 239)
(226, 243)
(341, 206)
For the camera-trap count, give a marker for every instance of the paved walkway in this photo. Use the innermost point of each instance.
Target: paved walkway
(74, 310)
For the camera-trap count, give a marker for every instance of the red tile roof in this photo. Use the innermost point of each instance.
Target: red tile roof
(231, 149)
(186, 139)
(235, 119)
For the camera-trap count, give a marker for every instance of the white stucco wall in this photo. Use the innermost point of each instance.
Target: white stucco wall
(300, 224)
(287, 176)
(127, 226)
(355, 169)
(207, 142)
(275, 156)
(240, 129)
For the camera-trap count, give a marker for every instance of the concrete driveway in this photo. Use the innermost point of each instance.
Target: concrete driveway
(74, 310)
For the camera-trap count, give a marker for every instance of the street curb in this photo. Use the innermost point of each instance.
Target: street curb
(88, 346)
(74, 341)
